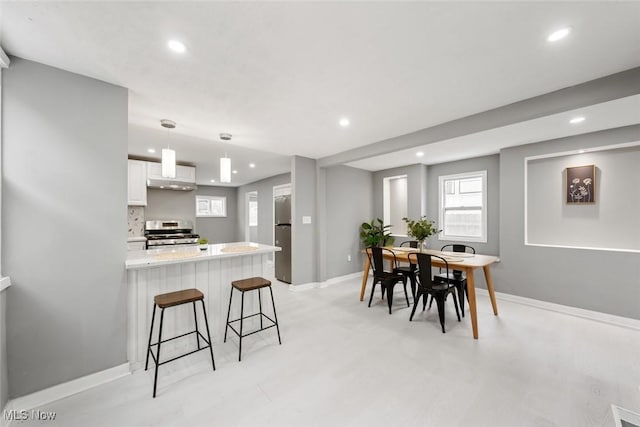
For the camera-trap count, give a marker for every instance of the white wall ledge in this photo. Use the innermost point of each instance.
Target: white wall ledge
(5, 282)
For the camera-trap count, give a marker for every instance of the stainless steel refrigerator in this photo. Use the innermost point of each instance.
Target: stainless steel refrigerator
(283, 238)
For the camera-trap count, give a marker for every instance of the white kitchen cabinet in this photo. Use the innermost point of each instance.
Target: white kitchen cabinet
(137, 183)
(183, 173)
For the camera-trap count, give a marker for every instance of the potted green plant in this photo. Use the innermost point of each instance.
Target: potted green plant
(421, 229)
(204, 244)
(375, 233)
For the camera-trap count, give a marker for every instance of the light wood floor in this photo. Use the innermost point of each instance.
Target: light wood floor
(343, 364)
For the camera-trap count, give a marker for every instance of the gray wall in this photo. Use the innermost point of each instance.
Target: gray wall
(590, 279)
(492, 165)
(170, 204)
(612, 222)
(4, 384)
(64, 180)
(304, 262)
(348, 203)
(219, 230)
(265, 207)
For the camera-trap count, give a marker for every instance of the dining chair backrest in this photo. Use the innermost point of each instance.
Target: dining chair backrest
(458, 248)
(410, 243)
(455, 247)
(376, 258)
(423, 261)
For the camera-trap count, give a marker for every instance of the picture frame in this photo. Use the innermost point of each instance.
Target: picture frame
(580, 185)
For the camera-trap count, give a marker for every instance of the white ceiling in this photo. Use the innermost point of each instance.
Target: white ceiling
(278, 76)
(607, 115)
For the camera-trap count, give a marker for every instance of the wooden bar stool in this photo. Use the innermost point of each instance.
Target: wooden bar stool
(173, 299)
(246, 285)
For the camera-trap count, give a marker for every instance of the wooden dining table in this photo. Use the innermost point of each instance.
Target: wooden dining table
(465, 262)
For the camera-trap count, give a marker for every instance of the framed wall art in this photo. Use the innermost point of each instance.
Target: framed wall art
(580, 182)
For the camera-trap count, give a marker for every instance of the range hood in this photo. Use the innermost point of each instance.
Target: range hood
(168, 184)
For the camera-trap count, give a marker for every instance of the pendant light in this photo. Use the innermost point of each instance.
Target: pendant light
(225, 162)
(168, 155)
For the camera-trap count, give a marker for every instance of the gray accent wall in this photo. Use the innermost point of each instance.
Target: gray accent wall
(4, 372)
(64, 224)
(492, 165)
(613, 221)
(348, 203)
(304, 261)
(265, 207)
(599, 280)
(223, 229)
(170, 204)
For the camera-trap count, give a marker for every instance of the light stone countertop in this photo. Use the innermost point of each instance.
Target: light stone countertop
(137, 239)
(181, 254)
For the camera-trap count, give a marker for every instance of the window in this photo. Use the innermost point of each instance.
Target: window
(253, 213)
(211, 206)
(395, 203)
(463, 207)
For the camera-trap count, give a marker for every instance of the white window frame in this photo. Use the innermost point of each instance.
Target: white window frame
(441, 193)
(209, 212)
(386, 202)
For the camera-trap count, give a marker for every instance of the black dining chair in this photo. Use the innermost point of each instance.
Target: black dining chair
(409, 271)
(428, 287)
(456, 277)
(387, 279)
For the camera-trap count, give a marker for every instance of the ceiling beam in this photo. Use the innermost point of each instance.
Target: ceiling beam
(615, 86)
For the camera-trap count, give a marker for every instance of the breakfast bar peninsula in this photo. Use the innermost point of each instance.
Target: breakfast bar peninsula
(158, 271)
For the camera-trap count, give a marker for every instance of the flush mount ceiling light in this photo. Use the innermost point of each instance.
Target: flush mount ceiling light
(344, 122)
(168, 155)
(225, 162)
(177, 46)
(559, 34)
(419, 154)
(577, 120)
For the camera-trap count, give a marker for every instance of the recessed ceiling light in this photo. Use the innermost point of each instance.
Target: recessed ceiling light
(576, 120)
(419, 154)
(344, 122)
(151, 150)
(252, 165)
(177, 46)
(234, 171)
(559, 34)
(213, 180)
(580, 151)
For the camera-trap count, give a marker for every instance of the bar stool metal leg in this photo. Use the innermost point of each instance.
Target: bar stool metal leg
(275, 316)
(153, 318)
(228, 313)
(195, 319)
(241, 319)
(260, 304)
(155, 377)
(206, 322)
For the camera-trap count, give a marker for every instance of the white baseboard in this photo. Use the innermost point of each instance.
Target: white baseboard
(597, 316)
(328, 282)
(60, 391)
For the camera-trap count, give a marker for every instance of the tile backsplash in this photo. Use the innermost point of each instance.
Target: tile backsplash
(135, 219)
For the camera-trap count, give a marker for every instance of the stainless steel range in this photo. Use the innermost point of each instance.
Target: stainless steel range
(169, 233)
